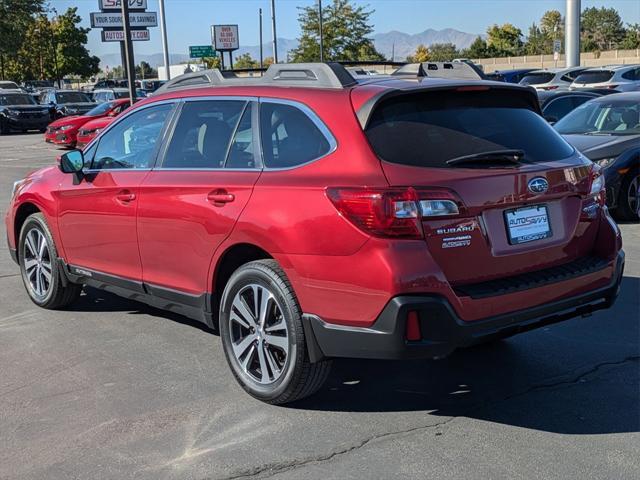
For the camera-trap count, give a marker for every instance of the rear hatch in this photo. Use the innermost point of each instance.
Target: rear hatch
(502, 193)
(592, 78)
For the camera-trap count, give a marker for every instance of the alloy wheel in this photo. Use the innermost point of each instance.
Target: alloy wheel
(259, 334)
(633, 195)
(37, 262)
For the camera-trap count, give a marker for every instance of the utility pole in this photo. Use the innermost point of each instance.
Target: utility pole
(128, 50)
(273, 31)
(261, 54)
(572, 33)
(321, 31)
(163, 32)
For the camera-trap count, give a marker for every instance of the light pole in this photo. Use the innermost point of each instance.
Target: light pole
(572, 33)
(321, 31)
(261, 53)
(273, 31)
(163, 32)
(128, 49)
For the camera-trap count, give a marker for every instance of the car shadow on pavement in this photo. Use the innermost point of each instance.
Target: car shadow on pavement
(578, 377)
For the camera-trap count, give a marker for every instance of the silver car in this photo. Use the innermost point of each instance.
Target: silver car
(552, 78)
(622, 78)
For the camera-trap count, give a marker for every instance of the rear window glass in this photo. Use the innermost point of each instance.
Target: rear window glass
(17, 100)
(594, 77)
(72, 97)
(537, 78)
(427, 129)
(289, 136)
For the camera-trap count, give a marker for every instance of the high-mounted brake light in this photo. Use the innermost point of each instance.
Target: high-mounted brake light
(393, 212)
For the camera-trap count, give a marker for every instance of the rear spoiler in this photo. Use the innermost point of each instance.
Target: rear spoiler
(365, 111)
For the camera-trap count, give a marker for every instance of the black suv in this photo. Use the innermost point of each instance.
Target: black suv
(19, 111)
(63, 103)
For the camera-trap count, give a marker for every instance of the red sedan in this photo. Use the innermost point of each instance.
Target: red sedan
(64, 131)
(90, 130)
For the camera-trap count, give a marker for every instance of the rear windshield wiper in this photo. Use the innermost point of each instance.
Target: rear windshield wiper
(510, 157)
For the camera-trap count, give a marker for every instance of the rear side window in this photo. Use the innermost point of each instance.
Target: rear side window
(537, 78)
(289, 136)
(203, 134)
(632, 74)
(427, 129)
(596, 76)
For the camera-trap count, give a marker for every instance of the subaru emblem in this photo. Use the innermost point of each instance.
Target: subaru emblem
(538, 185)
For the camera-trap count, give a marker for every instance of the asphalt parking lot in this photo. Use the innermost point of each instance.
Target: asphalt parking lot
(116, 389)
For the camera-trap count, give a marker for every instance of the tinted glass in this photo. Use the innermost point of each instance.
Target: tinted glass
(17, 99)
(632, 74)
(537, 78)
(131, 143)
(202, 134)
(496, 77)
(241, 151)
(121, 94)
(598, 76)
(571, 76)
(602, 117)
(289, 136)
(9, 85)
(100, 109)
(71, 97)
(426, 129)
(559, 107)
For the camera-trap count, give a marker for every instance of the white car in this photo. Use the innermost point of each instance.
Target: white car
(101, 95)
(622, 78)
(552, 78)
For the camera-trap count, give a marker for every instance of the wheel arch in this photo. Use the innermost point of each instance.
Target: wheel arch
(22, 213)
(232, 258)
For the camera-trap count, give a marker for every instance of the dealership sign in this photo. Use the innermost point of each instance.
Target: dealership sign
(225, 37)
(114, 19)
(117, 4)
(118, 35)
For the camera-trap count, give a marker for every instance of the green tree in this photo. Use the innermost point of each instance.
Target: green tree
(420, 55)
(443, 52)
(345, 31)
(504, 40)
(552, 24)
(478, 49)
(601, 29)
(632, 37)
(144, 70)
(245, 61)
(212, 62)
(536, 43)
(15, 18)
(70, 40)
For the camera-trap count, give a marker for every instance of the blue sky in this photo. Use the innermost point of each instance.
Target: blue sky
(188, 21)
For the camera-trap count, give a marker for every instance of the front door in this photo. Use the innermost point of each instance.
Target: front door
(189, 204)
(97, 217)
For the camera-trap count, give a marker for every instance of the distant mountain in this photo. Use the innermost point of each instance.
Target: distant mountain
(403, 44)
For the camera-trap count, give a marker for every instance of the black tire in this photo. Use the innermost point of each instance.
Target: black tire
(56, 294)
(298, 377)
(627, 187)
(4, 128)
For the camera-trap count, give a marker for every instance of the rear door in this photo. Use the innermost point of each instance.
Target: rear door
(514, 216)
(191, 201)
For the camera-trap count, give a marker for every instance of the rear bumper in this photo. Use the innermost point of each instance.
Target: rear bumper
(442, 330)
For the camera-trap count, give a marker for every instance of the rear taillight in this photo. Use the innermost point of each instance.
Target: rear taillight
(393, 212)
(550, 87)
(598, 190)
(611, 87)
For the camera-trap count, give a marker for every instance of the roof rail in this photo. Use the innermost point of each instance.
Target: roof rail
(316, 75)
(460, 69)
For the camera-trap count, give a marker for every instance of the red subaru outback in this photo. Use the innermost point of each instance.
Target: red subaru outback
(310, 216)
